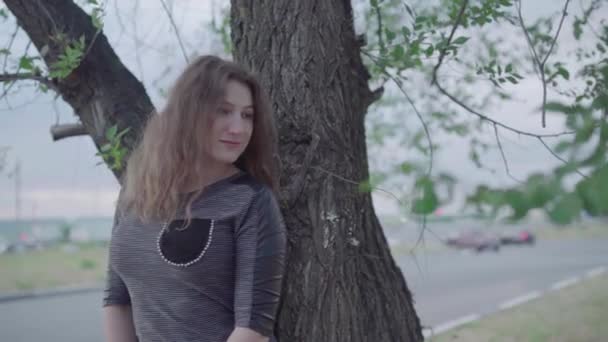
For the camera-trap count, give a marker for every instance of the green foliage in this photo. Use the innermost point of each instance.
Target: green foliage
(428, 201)
(499, 74)
(114, 152)
(69, 60)
(223, 30)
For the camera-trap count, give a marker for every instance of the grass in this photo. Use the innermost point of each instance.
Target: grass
(576, 314)
(575, 231)
(53, 267)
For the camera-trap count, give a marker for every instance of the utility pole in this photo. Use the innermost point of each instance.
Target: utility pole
(16, 175)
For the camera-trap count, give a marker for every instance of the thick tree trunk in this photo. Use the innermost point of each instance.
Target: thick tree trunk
(342, 283)
(101, 90)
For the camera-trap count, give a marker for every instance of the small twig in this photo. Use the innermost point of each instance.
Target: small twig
(380, 39)
(10, 45)
(560, 158)
(357, 183)
(504, 158)
(540, 64)
(179, 39)
(421, 119)
(445, 49)
(418, 114)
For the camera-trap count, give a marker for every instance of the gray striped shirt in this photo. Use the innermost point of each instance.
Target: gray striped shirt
(236, 282)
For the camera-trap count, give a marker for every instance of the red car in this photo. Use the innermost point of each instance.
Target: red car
(523, 237)
(475, 240)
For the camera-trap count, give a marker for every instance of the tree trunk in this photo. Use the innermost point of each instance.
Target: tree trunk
(101, 90)
(342, 283)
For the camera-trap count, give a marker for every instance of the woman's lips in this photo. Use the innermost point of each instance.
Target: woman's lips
(231, 143)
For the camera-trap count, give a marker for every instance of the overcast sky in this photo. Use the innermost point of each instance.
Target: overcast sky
(61, 179)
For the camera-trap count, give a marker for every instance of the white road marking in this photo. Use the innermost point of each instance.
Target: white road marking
(519, 300)
(595, 272)
(565, 283)
(441, 328)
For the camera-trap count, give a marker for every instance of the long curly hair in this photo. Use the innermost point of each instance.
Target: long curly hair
(166, 157)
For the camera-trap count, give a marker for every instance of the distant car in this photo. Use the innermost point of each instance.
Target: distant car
(519, 238)
(476, 240)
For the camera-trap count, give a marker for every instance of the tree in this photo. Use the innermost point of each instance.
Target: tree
(342, 283)
(341, 272)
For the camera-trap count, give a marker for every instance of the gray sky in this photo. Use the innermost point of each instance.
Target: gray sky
(62, 179)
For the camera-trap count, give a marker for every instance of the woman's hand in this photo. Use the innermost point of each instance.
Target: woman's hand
(240, 334)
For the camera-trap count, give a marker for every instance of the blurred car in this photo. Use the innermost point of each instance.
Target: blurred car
(476, 240)
(523, 237)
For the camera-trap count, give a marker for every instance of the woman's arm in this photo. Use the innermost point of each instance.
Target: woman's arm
(261, 241)
(118, 324)
(246, 335)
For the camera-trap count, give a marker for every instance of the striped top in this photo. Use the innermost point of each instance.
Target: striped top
(234, 250)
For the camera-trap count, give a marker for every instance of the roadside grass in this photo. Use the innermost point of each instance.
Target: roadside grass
(574, 314)
(65, 265)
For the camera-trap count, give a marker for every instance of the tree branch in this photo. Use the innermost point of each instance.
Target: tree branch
(179, 39)
(101, 90)
(540, 64)
(445, 49)
(436, 82)
(560, 158)
(59, 132)
(27, 76)
(504, 158)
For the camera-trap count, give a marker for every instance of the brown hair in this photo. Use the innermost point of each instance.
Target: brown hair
(165, 159)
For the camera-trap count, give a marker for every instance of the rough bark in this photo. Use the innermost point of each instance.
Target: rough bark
(101, 90)
(342, 283)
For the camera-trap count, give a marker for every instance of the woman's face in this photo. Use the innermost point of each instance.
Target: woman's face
(232, 125)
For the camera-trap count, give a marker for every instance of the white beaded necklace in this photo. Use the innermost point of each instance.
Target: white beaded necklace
(186, 264)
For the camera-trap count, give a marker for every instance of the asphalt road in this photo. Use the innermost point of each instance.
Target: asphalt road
(447, 285)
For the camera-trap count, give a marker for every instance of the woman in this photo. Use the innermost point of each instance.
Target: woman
(198, 244)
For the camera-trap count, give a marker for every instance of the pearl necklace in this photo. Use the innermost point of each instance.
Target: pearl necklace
(186, 264)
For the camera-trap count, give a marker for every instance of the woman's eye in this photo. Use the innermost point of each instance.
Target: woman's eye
(224, 111)
(248, 115)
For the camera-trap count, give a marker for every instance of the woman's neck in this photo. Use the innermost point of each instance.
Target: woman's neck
(210, 175)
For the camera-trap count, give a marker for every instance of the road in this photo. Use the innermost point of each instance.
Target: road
(447, 285)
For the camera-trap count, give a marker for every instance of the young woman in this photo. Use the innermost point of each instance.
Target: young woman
(198, 244)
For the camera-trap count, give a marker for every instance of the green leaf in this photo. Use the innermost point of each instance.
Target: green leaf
(111, 132)
(25, 63)
(429, 51)
(407, 168)
(429, 201)
(398, 53)
(562, 146)
(563, 72)
(460, 40)
(390, 35)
